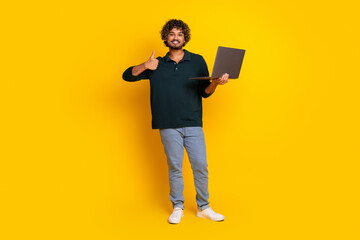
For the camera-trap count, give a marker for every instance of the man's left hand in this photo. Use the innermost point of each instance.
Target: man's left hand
(221, 81)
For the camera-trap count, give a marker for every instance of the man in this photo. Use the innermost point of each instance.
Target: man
(176, 107)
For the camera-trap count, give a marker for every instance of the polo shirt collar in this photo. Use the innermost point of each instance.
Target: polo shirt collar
(186, 57)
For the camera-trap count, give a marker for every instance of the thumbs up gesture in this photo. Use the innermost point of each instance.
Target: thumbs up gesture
(152, 63)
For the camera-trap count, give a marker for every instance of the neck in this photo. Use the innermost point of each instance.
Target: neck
(176, 53)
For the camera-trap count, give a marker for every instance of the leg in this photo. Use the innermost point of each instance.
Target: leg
(173, 142)
(195, 146)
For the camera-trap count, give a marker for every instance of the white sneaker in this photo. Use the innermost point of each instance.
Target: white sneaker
(210, 214)
(176, 216)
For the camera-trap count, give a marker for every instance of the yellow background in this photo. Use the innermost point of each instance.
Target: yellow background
(79, 159)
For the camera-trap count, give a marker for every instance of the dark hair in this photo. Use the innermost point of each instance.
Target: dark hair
(175, 23)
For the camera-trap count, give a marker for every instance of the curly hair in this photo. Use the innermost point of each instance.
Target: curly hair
(175, 23)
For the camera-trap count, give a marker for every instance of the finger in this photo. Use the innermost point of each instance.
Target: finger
(153, 54)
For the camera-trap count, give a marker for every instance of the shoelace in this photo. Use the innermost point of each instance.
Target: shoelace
(176, 213)
(212, 212)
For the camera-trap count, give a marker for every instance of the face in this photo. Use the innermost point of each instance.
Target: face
(175, 39)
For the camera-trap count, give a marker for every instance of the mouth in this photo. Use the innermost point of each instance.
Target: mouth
(175, 42)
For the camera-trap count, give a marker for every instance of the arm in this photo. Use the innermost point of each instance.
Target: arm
(207, 88)
(219, 81)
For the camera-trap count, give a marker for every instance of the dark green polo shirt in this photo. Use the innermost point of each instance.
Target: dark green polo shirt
(176, 101)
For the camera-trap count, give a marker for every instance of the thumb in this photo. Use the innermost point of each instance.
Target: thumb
(153, 54)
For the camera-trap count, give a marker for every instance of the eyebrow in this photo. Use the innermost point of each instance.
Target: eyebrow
(174, 32)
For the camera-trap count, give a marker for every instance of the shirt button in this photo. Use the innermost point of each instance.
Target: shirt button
(175, 68)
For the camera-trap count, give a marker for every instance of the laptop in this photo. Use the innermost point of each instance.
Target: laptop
(228, 60)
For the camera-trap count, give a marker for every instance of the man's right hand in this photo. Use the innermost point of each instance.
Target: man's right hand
(152, 63)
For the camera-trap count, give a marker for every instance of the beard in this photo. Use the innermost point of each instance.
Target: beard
(175, 47)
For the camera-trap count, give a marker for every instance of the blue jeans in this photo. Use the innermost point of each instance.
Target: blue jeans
(174, 141)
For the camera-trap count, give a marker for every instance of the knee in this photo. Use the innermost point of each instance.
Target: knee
(175, 169)
(200, 166)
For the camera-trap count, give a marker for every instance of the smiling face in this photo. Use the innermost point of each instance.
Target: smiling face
(175, 39)
(175, 34)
